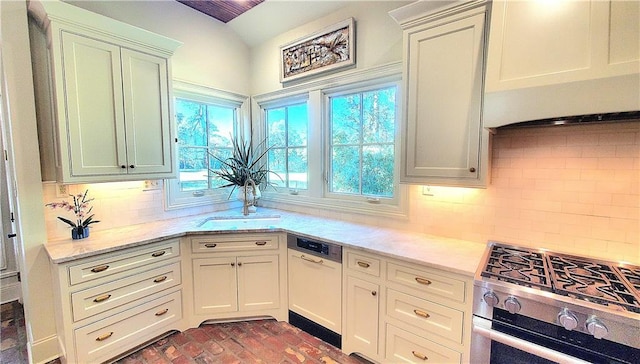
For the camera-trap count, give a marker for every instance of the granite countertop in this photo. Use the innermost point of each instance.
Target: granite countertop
(453, 255)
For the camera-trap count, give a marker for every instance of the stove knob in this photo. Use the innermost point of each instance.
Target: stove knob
(596, 328)
(567, 319)
(490, 299)
(512, 305)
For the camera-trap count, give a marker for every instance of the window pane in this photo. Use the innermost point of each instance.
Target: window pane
(276, 127)
(191, 122)
(215, 164)
(379, 116)
(192, 168)
(287, 131)
(345, 119)
(297, 126)
(278, 164)
(345, 167)
(298, 167)
(363, 128)
(221, 122)
(377, 170)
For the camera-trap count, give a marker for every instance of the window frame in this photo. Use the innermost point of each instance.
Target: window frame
(280, 103)
(315, 93)
(176, 199)
(359, 89)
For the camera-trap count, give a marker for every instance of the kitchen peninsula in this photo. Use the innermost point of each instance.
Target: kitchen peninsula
(143, 280)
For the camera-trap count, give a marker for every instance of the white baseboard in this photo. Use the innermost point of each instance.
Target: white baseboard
(45, 350)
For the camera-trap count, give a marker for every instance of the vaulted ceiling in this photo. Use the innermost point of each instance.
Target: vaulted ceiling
(223, 10)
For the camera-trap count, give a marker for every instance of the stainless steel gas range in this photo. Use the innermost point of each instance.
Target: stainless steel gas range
(537, 306)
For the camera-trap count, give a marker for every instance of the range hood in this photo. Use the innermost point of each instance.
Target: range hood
(578, 119)
(600, 100)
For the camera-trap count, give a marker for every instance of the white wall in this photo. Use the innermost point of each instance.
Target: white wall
(211, 53)
(24, 156)
(378, 41)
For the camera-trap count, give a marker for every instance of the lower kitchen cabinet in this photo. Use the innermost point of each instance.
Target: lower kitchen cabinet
(398, 311)
(111, 303)
(238, 275)
(362, 306)
(236, 284)
(404, 347)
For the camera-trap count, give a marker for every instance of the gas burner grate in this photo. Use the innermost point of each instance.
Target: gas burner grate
(592, 281)
(519, 266)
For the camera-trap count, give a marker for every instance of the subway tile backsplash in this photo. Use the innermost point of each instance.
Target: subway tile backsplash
(568, 188)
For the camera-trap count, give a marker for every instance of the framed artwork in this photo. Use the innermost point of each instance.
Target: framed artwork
(326, 50)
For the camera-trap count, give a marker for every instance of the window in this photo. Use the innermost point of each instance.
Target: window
(203, 129)
(287, 136)
(207, 120)
(345, 155)
(362, 143)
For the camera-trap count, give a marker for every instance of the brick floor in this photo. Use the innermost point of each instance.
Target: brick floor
(260, 341)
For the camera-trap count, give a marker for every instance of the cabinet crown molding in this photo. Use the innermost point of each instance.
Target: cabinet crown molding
(53, 11)
(424, 11)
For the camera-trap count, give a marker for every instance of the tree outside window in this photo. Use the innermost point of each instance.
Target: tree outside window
(362, 132)
(287, 130)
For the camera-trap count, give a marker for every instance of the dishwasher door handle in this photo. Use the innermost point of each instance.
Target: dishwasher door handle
(304, 257)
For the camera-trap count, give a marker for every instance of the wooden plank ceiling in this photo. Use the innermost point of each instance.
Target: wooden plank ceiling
(223, 10)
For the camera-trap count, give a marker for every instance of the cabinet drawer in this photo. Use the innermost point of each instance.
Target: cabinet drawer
(119, 263)
(363, 263)
(432, 317)
(235, 243)
(98, 299)
(405, 347)
(109, 337)
(427, 281)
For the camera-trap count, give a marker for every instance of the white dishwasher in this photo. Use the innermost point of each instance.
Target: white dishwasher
(315, 288)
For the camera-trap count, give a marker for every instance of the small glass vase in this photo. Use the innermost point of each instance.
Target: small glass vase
(79, 232)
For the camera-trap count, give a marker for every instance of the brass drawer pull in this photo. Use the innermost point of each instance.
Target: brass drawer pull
(104, 337)
(102, 298)
(210, 245)
(303, 257)
(162, 312)
(160, 279)
(158, 254)
(421, 313)
(364, 264)
(419, 355)
(100, 268)
(261, 243)
(424, 281)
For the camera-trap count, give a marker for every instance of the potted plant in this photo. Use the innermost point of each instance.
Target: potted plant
(82, 210)
(246, 163)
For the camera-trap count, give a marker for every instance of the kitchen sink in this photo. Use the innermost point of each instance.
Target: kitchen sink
(232, 221)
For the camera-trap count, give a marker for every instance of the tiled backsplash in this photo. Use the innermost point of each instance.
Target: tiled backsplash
(568, 188)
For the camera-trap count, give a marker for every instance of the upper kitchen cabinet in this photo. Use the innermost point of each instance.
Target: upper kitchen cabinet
(103, 97)
(443, 139)
(551, 59)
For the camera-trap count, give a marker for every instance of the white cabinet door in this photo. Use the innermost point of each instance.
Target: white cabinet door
(362, 317)
(146, 105)
(258, 282)
(215, 287)
(444, 65)
(95, 118)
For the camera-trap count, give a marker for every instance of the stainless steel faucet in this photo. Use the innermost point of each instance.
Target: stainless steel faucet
(245, 208)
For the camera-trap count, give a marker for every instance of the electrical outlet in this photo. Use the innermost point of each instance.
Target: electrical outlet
(62, 190)
(426, 191)
(151, 185)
